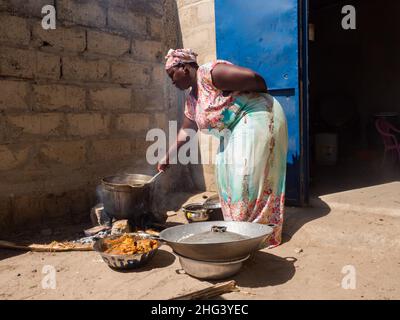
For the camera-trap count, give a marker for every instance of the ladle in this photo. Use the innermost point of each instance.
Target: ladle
(137, 185)
(154, 178)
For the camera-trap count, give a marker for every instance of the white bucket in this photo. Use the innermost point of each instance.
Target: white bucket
(326, 148)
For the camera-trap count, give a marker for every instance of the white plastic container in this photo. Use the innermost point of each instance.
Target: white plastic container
(326, 149)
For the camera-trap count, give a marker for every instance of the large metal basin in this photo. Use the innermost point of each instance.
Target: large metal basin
(210, 270)
(127, 196)
(253, 235)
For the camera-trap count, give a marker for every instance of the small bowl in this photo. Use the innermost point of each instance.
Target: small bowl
(210, 270)
(124, 261)
(195, 212)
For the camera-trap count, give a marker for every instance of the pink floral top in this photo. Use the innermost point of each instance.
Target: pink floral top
(212, 110)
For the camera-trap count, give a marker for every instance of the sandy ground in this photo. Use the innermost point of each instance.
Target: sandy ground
(318, 244)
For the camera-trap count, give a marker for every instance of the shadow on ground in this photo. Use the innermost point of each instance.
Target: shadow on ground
(264, 269)
(161, 259)
(6, 253)
(60, 230)
(352, 174)
(295, 217)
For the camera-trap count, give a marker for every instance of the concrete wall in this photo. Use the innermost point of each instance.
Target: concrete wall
(76, 102)
(197, 22)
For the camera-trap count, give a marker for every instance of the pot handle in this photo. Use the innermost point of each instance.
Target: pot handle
(153, 237)
(158, 239)
(218, 229)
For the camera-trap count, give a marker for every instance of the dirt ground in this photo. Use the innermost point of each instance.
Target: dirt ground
(321, 244)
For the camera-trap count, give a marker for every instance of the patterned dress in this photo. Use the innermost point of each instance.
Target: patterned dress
(251, 161)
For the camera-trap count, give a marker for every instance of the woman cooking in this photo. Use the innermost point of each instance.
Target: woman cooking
(228, 98)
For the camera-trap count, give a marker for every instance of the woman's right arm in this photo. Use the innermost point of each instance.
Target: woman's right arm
(180, 141)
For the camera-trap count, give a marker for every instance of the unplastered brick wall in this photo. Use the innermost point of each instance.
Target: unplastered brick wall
(197, 23)
(76, 102)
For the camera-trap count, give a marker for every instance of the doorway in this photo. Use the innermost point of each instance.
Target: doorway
(354, 78)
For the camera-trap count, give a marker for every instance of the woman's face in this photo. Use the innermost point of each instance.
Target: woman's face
(180, 77)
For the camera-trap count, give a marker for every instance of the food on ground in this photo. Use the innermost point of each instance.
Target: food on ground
(128, 244)
(56, 246)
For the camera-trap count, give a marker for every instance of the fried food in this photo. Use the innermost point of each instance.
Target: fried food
(128, 244)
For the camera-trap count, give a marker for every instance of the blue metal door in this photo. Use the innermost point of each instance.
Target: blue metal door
(264, 35)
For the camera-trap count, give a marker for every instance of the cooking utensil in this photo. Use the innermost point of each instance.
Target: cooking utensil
(216, 241)
(142, 184)
(154, 178)
(195, 212)
(212, 203)
(214, 208)
(125, 261)
(127, 196)
(210, 270)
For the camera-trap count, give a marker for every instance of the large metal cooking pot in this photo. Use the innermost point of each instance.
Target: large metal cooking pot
(127, 196)
(216, 241)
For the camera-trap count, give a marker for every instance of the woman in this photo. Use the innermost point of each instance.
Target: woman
(233, 103)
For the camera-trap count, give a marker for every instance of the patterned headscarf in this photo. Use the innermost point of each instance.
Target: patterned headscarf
(178, 56)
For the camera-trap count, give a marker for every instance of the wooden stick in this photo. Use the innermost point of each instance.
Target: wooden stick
(209, 292)
(57, 247)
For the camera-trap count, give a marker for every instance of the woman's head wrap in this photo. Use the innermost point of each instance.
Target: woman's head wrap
(178, 56)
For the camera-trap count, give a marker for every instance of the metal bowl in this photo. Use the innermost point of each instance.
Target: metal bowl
(124, 261)
(195, 212)
(210, 270)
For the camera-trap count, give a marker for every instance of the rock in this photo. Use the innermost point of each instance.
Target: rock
(99, 217)
(120, 226)
(46, 232)
(95, 230)
(298, 250)
(171, 213)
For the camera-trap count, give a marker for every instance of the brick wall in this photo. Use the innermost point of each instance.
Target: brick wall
(197, 21)
(197, 24)
(76, 102)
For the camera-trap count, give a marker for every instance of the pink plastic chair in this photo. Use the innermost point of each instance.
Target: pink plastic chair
(387, 130)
